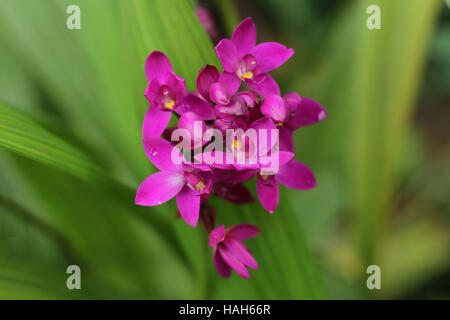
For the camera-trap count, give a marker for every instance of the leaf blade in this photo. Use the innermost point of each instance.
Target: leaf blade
(21, 135)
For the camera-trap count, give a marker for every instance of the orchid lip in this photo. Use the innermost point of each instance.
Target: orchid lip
(247, 67)
(194, 181)
(164, 90)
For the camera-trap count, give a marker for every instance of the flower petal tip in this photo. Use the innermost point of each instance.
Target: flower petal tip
(290, 52)
(322, 115)
(192, 224)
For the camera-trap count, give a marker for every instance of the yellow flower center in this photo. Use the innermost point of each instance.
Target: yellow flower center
(237, 144)
(169, 104)
(200, 185)
(247, 75)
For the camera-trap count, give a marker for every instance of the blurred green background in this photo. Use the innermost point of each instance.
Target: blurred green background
(71, 108)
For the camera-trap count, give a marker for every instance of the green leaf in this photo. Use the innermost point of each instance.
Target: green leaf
(32, 281)
(124, 250)
(20, 134)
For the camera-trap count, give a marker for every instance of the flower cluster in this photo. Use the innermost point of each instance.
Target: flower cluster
(221, 115)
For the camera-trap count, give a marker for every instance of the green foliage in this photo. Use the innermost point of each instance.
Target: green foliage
(20, 134)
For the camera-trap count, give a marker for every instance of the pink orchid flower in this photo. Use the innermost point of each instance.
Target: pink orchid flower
(244, 60)
(186, 182)
(166, 92)
(229, 250)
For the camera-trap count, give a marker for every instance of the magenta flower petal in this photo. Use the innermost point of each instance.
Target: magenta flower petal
(284, 157)
(198, 166)
(248, 165)
(159, 187)
(230, 81)
(222, 124)
(292, 100)
(177, 86)
(296, 175)
(152, 92)
(155, 121)
(263, 123)
(216, 159)
(159, 152)
(233, 176)
(231, 111)
(271, 55)
(242, 176)
(266, 143)
(273, 106)
(235, 264)
(206, 77)
(263, 84)
(308, 112)
(243, 231)
(228, 55)
(221, 266)
(244, 36)
(202, 109)
(188, 202)
(241, 253)
(233, 192)
(218, 94)
(194, 126)
(249, 98)
(286, 139)
(267, 191)
(217, 235)
(275, 160)
(157, 66)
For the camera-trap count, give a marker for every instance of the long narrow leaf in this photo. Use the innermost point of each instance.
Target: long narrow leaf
(20, 134)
